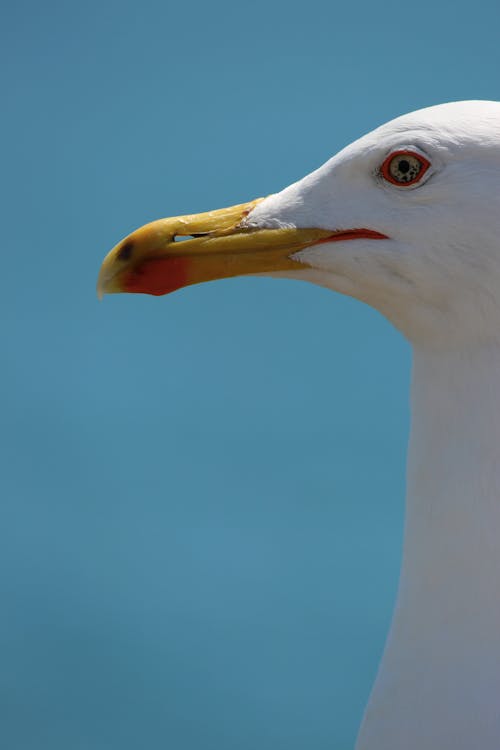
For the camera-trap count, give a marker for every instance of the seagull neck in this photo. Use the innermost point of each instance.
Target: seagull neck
(438, 685)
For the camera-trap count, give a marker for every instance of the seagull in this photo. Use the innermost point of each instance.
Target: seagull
(407, 220)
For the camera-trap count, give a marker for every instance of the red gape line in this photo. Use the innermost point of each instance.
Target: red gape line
(354, 234)
(388, 176)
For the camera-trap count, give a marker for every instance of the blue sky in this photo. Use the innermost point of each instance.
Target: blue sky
(202, 494)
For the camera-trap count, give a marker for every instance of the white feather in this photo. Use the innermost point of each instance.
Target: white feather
(437, 278)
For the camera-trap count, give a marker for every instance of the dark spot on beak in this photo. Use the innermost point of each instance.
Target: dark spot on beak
(126, 250)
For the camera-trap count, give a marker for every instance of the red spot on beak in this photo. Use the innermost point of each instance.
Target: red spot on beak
(157, 276)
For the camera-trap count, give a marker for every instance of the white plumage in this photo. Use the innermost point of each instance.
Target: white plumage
(406, 219)
(437, 278)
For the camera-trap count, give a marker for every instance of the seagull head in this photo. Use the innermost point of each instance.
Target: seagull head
(406, 219)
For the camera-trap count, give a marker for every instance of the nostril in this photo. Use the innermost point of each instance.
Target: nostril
(125, 252)
(182, 237)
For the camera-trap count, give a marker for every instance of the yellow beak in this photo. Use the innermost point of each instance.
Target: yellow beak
(215, 245)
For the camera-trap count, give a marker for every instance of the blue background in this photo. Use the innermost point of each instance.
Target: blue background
(202, 494)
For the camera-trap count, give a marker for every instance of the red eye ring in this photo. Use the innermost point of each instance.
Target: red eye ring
(404, 168)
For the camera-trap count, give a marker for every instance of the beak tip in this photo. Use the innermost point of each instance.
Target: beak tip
(100, 287)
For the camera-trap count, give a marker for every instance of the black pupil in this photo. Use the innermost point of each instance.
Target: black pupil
(404, 166)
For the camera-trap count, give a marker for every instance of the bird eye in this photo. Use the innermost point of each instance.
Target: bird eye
(404, 168)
